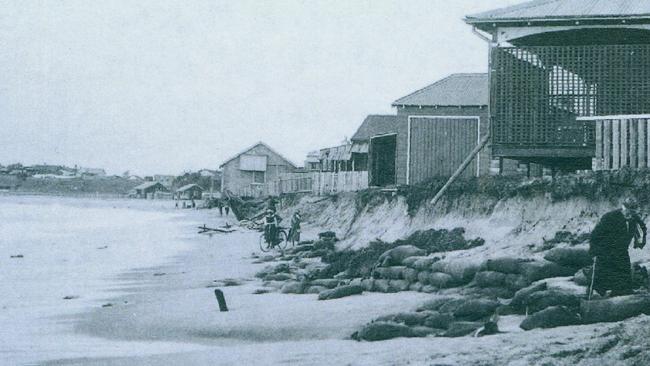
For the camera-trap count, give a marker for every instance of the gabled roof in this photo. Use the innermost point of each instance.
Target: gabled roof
(147, 185)
(254, 146)
(375, 125)
(188, 187)
(565, 10)
(454, 90)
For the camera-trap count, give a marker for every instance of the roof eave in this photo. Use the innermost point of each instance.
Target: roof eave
(438, 105)
(641, 18)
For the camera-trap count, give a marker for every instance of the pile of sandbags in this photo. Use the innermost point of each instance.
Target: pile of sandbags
(442, 317)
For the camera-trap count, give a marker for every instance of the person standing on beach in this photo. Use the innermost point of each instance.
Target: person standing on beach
(226, 207)
(220, 206)
(609, 244)
(294, 231)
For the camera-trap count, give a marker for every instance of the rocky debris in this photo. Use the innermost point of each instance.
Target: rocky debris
(551, 317)
(379, 331)
(339, 292)
(567, 237)
(576, 257)
(614, 309)
(261, 291)
(279, 277)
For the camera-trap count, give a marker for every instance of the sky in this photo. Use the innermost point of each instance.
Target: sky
(163, 87)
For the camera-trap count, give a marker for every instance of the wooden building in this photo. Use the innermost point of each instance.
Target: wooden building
(188, 192)
(377, 149)
(148, 190)
(555, 67)
(443, 123)
(245, 173)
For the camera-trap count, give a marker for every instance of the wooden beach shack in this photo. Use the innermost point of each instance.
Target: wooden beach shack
(148, 190)
(443, 123)
(188, 192)
(246, 173)
(569, 82)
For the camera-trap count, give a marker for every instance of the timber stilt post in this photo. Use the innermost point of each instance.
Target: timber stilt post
(221, 299)
(460, 169)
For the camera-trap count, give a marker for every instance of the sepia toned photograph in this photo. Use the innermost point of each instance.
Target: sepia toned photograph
(324, 182)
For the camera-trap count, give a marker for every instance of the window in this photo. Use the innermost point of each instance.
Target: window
(258, 177)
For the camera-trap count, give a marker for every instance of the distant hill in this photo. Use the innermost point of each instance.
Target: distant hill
(70, 186)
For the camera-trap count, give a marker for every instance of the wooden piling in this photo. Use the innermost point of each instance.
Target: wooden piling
(221, 299)
(616, 144)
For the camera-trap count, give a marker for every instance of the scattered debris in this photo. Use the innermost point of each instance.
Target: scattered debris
(17, 256)
(70, 297)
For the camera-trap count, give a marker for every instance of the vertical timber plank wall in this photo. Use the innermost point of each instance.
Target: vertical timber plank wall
(622, 141)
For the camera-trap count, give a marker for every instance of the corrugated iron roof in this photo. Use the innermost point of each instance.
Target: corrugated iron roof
(454, 90)
(375, 125)
(565, 9)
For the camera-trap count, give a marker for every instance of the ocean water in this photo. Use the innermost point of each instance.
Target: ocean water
(75, 248)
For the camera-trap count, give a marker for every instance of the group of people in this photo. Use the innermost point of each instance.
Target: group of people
(610, 240)
(223, 205)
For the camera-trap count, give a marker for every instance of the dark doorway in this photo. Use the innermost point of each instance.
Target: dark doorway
(382, 160)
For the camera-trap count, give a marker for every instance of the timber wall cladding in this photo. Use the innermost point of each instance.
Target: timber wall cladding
(438, 146)
(621, 141)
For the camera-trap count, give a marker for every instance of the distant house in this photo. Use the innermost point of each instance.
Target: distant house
(443, 123)
(251, 168)
(207, 173)
(148, 189)
(92, 172)
(312, 162)
(189, 191)
(336, 159)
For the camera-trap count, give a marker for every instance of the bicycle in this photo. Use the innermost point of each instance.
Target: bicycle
(280, 242)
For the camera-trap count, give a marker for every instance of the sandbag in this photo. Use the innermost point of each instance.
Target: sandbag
(614, 309)
(315, 289)
(410, 261)
(516, 282)
(389, 273)
(543, 299)
(292, 287)
(451, 306)
(490, 279)
(279, 277)
(420, 331)
(368, 284)
(424, 263)
(339, 292)
(325, 282)
(438, 320)
(539, 270)
(356, 282)
(415, 286)
(554, 316)
(570, 257)
(460, 329)
(441, 280)
(379, 331)
(423, 277)
(582, 278)
(521, 297)
(507, 265)
(496, 292)
(381, 286)
(476, 309)
(428, 289)
(435, 304)
(410, 319)
(395, 256)
(398, 285)
(410, 274)
(462, 271)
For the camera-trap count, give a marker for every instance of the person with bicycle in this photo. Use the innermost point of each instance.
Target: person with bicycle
(294, 231)
(271, 223)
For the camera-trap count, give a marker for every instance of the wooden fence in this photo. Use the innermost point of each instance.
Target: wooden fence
(621, 141)
(317, 183)
(330, 182)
